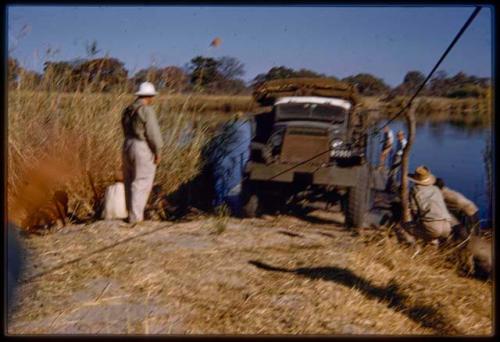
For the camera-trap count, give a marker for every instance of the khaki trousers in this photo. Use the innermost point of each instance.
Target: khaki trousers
(431, 230)
(139, 173)
(383, 155)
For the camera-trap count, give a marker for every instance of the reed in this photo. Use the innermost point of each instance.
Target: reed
(56, 139)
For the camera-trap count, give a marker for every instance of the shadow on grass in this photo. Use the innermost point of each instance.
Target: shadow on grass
(426, 316)
(302, 212)
(315, 220)
(284, 232)
(327, 235)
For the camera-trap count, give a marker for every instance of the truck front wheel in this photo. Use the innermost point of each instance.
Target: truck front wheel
(250, 200)
(251, 206)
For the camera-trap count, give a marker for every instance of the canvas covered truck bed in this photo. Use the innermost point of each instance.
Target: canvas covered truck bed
(267, 92)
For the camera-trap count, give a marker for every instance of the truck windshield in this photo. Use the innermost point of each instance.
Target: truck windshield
(311, 111)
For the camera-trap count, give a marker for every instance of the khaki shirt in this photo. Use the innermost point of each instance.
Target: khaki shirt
(139, 122)
(427, 203)
(456, 202)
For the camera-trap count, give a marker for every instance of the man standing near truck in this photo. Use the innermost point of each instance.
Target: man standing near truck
(141, 151)
(387, 142)
(395, 171)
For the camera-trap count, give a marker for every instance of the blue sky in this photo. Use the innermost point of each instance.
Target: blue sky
(339, 41)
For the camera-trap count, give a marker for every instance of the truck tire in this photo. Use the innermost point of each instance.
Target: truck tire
(267, 154)
(250, 200)
(358, 200)
(251, 206)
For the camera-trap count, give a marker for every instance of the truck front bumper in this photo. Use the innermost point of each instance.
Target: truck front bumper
(327, 175)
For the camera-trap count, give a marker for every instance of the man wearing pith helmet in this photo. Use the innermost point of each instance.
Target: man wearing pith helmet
(141, 150)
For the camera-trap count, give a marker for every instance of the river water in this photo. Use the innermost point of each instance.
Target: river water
(457, 155)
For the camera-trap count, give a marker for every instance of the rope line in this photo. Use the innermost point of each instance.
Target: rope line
(420, 88)
(443, 56)
(448, 49)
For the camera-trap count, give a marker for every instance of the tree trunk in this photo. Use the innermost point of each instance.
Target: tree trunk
(411, 125)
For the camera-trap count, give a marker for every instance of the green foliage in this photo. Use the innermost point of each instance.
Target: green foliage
(411, 82)
(460, 85)
(221, 76)
(204, 72)
(283, 72)
(217, 75)
(230, 68)
(100, 74)
(368, 84)
(467, 90)
(170, 78)
(103, 74)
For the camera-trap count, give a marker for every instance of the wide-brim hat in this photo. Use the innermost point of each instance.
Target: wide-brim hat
(422, 176)
(146, 89)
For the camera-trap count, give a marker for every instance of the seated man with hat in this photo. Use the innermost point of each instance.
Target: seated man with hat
(433, 221)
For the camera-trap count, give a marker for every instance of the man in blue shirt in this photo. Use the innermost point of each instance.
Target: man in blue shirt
(397, 157)
(229, 156)
(387, 142)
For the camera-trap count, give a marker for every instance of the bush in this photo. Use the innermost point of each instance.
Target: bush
(469, 90)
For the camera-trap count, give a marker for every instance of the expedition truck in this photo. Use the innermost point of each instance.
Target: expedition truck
(311, 143)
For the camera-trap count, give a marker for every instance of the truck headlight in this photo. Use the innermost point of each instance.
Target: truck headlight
(337, 143)
(276, 139)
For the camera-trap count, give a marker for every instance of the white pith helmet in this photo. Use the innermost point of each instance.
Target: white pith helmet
(146, 89)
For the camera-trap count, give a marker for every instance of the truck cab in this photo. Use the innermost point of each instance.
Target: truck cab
(309, 147)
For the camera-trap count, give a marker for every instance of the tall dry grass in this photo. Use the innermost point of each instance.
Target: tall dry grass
(55, 138)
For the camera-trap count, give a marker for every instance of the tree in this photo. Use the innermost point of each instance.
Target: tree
(175, 79)
(308, 73)
(438, 84)
(101, 74)
(216, 75)
(466, 90)
(274, 73)
(233, 87)
(412, 80)
(459, 79)
(283, 72)
(151, 74)
(172, 78)
(230, 68)
(204, 72)
(459, 85)
(368, 84)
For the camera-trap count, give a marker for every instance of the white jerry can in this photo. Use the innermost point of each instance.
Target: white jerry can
(114, 202)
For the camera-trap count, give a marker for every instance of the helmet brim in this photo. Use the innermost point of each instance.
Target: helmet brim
(146, 94)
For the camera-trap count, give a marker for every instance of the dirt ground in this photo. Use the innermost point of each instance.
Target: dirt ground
(218, 275)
